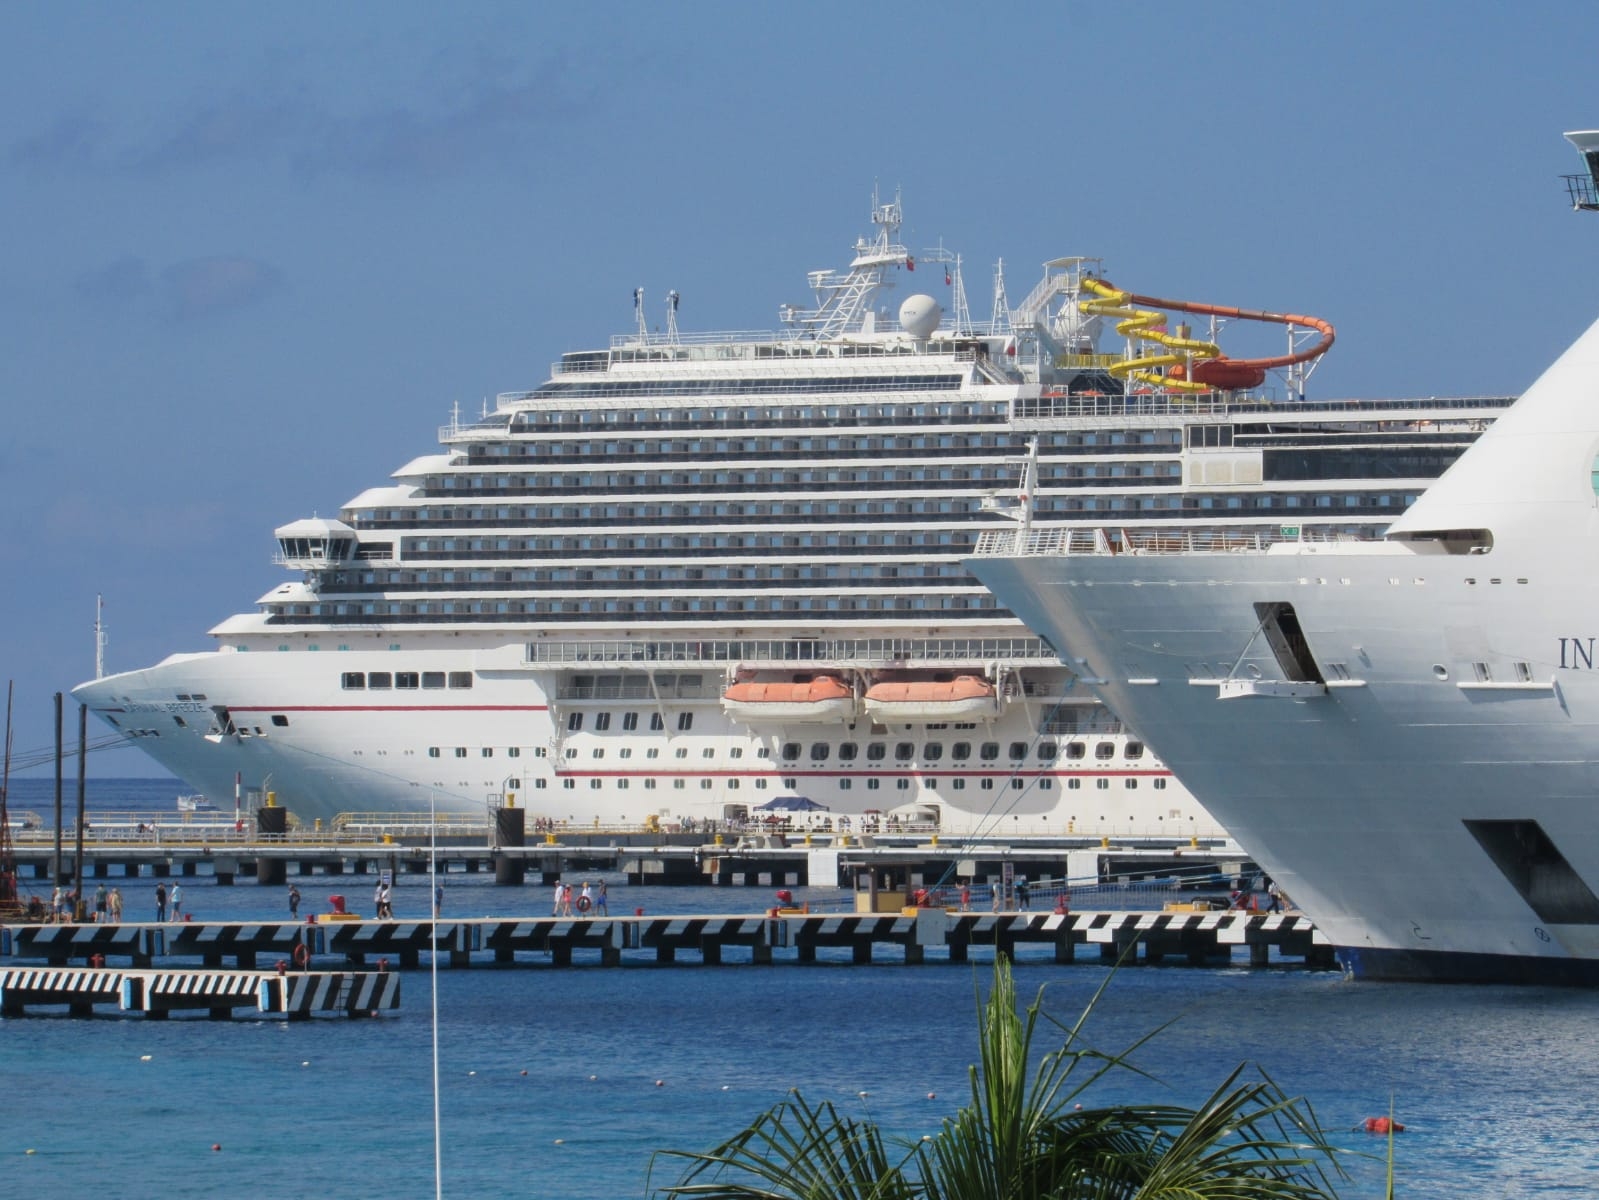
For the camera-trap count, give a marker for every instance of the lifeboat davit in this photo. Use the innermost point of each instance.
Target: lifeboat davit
(914, 700)
(805, 699)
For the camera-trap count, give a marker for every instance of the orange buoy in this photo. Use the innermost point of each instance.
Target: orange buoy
(1381, 1125)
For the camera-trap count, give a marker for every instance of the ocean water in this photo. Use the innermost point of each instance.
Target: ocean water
(560, 1083)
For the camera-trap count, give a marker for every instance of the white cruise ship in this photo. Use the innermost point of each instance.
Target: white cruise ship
(1404, 732)
(716, 576)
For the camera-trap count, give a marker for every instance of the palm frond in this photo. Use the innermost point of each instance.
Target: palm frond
(1026, 1135)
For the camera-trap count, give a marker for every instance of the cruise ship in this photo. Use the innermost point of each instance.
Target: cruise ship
(717, 578)
(1405, 731)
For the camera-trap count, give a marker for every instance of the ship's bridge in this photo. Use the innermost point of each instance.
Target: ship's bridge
(313, 543)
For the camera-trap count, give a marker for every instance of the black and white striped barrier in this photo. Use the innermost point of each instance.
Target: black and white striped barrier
(156, 994)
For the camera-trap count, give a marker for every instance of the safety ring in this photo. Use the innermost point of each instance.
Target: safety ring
(584, 904)
(302, 954)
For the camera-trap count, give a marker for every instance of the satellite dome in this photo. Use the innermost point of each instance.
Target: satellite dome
(919, 316)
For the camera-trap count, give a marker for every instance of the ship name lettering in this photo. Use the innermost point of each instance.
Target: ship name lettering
(1581, 653)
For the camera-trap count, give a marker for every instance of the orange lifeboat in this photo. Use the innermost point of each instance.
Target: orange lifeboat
(800, 699)
(919, 699)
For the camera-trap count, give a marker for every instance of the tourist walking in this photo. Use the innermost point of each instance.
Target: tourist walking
(175, 897)
(160, 902)
(294, 903)
(114, 901)
(100, 905)
(555, 909)
(377, 901)
(599, 899)
(438, 900)
(1021, 895)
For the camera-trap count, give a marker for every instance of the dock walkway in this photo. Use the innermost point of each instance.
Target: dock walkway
(912, 936)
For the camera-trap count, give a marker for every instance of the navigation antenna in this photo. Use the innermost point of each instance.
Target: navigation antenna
(99, 636)
(1584, 189)
(1000, 321)
(638, 315)
(844, 300)
(671, 317)
(960, 314)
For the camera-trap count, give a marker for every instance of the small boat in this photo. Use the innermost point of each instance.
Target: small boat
(912, 699)
(195, 804)
(801, 699)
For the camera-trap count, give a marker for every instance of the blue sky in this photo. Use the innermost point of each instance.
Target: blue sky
(255, 253)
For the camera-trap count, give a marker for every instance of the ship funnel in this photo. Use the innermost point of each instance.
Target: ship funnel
(1584, 189)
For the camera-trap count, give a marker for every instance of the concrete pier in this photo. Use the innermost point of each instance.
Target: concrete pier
(914, 936)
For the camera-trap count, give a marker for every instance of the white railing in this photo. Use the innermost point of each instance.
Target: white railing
(1013, 543)
(819, 651)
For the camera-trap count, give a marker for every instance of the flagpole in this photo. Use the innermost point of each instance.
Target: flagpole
(433, 842)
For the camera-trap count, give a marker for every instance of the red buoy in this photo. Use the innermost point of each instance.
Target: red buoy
(1382, 1125)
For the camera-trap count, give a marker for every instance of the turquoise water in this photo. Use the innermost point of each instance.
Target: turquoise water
(559, 1084)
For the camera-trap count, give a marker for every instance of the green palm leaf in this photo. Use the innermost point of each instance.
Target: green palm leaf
(1026, 1134)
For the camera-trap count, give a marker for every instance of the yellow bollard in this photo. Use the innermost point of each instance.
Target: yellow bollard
(935, 839)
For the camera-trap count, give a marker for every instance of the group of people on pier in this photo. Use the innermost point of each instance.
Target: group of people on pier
(591, 899)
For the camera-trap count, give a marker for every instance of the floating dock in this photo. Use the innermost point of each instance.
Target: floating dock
(157, 994)
(911, 936)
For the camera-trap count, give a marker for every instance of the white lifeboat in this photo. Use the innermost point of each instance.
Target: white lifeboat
(921, 699)
(802, 699)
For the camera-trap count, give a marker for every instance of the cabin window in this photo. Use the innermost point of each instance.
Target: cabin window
(904, 751)
(989, 751)
(406, 679)
(460, 679)
(933, 751)
(876, 751)
(433, 679)
(1104, 751)
(602, 720)
(354, 679)
(1018, 751)
(280, 720)
(574, 722)
(380, 679)
(847, 751)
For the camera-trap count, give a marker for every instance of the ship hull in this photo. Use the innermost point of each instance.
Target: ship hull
(1432, 806)
(284, 723)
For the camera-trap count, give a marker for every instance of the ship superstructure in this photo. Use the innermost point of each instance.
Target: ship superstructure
(690, 573)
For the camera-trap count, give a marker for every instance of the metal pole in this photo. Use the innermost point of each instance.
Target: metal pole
(83, 755)
(55, 860)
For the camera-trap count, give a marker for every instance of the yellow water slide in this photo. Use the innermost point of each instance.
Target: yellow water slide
(1148, 326)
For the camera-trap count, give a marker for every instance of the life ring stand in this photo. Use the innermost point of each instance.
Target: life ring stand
(302, 955)
(584, 904)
